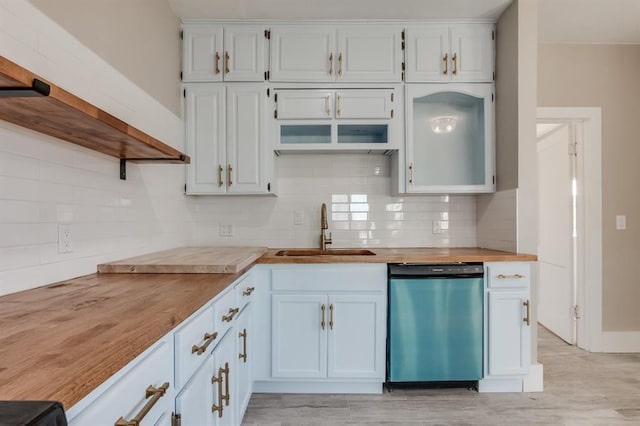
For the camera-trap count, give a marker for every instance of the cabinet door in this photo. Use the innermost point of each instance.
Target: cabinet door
(428, 58)
(509, 335)
(205, 139)
(194, 401)
(299, 346)
(472, 53)
(304, 104)
(244, 54)
(357, 336)
(225, 392)
(246, 139)
(303, 54)
(450, 138)
(375, 103)
(369, 54)
(202, 53)
(244, 335)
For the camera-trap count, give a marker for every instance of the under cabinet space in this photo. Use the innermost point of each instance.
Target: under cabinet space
(363, 133)
(305, 134)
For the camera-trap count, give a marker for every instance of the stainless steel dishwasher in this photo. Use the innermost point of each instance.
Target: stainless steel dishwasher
(435, 331)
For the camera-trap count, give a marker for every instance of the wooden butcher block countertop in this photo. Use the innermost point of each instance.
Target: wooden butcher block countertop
(405, 255)
(61, 341)
(188, 260)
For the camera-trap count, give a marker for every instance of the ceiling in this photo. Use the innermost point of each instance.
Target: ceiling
(338, 9)
(559, 21)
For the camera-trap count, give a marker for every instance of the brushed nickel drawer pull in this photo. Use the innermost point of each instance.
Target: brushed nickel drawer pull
(510, 277)
(331, 316)
(232, 313)
(229, 171)
(323, 323)
(411, 173)
(248, 291)
(151, 392)
(209, 338)
(527, 319)
(220, 181)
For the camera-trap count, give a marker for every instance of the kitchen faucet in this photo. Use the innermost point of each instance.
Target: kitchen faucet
(323, 226)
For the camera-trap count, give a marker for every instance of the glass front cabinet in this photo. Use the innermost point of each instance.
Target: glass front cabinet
(450, 138)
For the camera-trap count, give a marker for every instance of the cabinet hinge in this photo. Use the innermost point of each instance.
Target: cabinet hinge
(492, 97)
(402, 39)
(267, 34)
(268, 93)
(391, 96)
(180, 75)
(181, 35)
(391, 113)
(275, 97)
(573, 149)
(493, 35)
(184, 93)
(268, 75)
(176, 419)
(494, 180)
(575, 312)
(494, 76)
(269, 186)
(185, 188)
(275, 114)
(403, 65)
(265, 76)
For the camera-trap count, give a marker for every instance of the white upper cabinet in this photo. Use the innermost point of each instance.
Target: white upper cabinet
(237, 53)
(304, 104)
(227, 139)
(326, 54)
(441, 53)
(369, 54)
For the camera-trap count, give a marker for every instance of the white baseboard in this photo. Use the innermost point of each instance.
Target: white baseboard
(620, 341)
(510, 384)
(534, 381)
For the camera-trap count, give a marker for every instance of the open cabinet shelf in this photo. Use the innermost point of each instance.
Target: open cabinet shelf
(29, 101)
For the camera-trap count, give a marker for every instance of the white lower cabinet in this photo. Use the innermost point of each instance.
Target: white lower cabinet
(328, 329)
(507, 326)
(245, 356)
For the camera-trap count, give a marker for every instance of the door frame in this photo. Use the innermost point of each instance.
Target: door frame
(589, 206)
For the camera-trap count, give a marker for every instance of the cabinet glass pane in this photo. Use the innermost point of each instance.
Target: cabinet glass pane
(448, 139)
(362, 133)
(303, 134)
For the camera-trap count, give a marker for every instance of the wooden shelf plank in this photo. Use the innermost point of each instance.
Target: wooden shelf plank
(66, 116)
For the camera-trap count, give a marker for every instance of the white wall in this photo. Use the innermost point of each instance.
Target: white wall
(307, 181)
(44, 181)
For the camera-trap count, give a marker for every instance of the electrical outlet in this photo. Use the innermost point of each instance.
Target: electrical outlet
(226, 230)
(64, 239)
(298, 217)
(436, 227)
(621, 222)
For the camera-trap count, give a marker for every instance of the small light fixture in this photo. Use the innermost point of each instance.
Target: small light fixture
(443, 124)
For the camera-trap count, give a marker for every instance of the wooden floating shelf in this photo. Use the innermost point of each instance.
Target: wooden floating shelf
(30, 101)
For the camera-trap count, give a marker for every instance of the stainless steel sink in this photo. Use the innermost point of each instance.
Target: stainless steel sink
(330, 252)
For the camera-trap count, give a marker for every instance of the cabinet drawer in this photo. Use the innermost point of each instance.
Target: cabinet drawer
(244, 291)
(304, 104)
(126, 396)
(367, 278)
(508, 275)
(193, 342)
(225, 309)
(364, 103)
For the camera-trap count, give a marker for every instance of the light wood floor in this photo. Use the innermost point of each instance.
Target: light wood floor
(580, 389)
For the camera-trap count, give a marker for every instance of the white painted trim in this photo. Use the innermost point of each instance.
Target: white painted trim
(590, 173)
(534, 381)
(309, 386)
(621, 341)
(509, 384)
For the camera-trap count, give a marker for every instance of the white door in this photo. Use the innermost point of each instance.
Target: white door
(244, 53)
(556, 229)
(303, 54)
(428, 54)
(206, 139)
(356, 336)
(245, 357)
(369, 54)
(472, 53)
(299, 333)
(509, 335)
(202, 53)
(375, 103)
(194, 402)
(226, 363)
(246, 139)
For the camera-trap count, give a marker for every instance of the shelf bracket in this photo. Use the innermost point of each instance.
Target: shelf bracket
(38, 88)
(123, 163)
